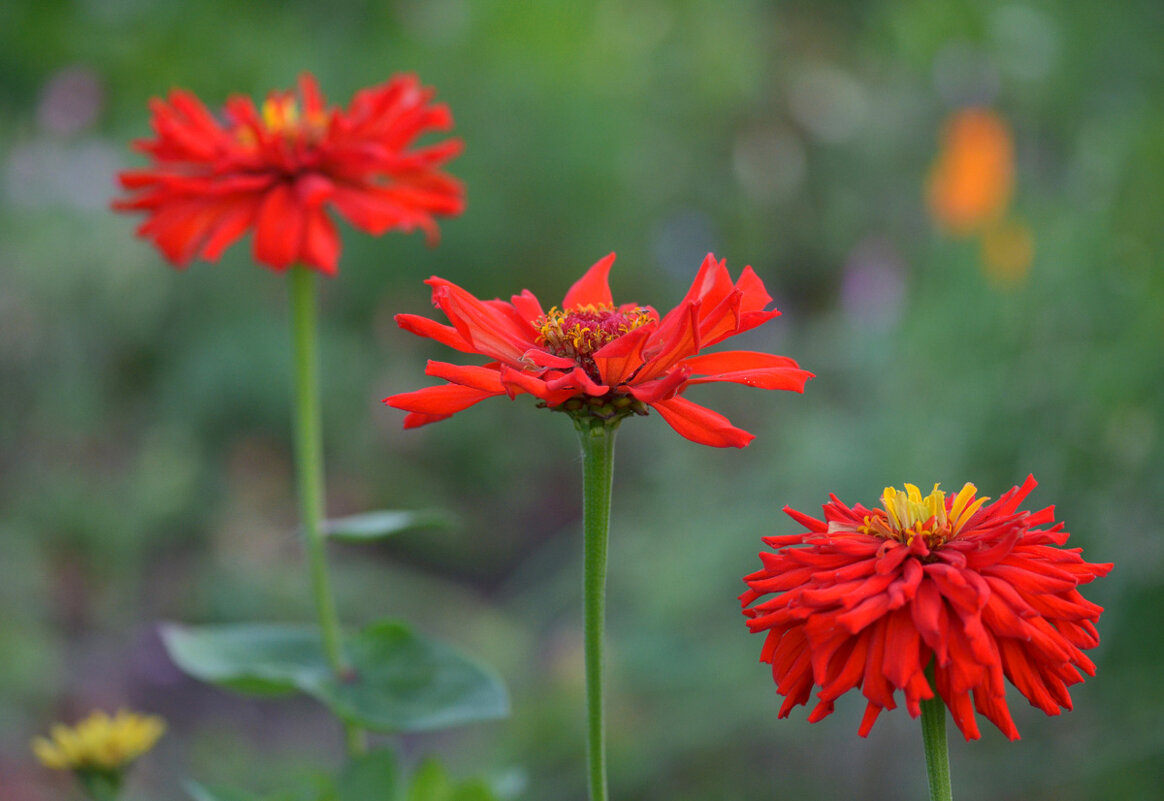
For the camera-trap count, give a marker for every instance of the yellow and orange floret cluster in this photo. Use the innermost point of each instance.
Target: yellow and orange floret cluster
(908, 515)
(280, 116)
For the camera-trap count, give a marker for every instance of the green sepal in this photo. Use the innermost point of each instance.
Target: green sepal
(100, 785)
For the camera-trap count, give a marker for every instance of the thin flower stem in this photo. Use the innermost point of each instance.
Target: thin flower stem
(597, 439)
(933, 718)
(100, 786)
(309, 473)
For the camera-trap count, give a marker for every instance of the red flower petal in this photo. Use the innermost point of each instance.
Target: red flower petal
(234, 220)
(321, 243)
(437, 403)
(490, 331)
(593, 288)
(700, 424)
(619, 360)
(485, 379)
(575, 380)
(424, 327)
(760, 370)
(676, 338)
(279, 228)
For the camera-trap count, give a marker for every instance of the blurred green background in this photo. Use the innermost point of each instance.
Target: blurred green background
(144, 413)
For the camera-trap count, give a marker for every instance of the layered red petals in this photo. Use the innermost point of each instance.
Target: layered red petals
(281, 171)
(873, 613)
(646, 361)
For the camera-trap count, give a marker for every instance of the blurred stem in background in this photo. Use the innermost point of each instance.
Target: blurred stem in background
(309, 474)
(597, 440)
(100, 785)
(933, 720)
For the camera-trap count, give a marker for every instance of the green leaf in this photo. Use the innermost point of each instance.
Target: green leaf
(252, 658)
(431, 783)
(404, 682)
(371, 777)
(400, 681)
(379, 525)
(200, 792)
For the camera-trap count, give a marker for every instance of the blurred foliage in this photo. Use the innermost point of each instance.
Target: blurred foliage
(144, 414)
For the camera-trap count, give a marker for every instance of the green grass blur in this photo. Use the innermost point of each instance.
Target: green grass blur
(145, 468)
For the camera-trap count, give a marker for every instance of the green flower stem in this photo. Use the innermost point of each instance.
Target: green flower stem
(100, 785)
(597, 439)
(933, 718)
(309, 473)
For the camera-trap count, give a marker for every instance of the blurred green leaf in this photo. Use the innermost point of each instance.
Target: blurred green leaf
(200, 792)
(400, 681)
(371, 777)
(405, 682)
(251, 658)
(386, 523)
(431, 783)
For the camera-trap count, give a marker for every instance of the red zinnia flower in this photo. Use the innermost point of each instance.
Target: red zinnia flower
(867, 598)
(590, 357)
(277, 171)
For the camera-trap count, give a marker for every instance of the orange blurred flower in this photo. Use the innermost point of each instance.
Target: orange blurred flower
(971, 181)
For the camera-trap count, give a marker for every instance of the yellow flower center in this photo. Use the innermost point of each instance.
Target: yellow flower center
(578, 332)
(281, 116)
(908, 515)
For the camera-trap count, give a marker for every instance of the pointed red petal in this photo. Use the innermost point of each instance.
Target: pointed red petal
(577, 379)
(712, 283)
(730, 361)
(437, 403)
(676, 338)
(492, 332)
(444, 334)
(321, 243)
(620, 358)
(232, 224)
(593, 288)
(313, 102)
(484, 378)
(527, 305)
(700, 424)
(279, 228)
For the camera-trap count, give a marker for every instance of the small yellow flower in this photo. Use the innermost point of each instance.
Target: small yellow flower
(99, 743)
